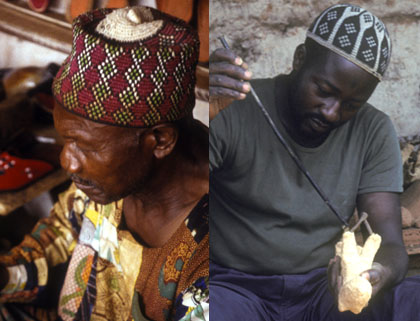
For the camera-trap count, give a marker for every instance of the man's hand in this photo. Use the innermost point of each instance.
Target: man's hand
(4, 277)
(379, 276)
(228, 80)
(335, 280)
(385, 219)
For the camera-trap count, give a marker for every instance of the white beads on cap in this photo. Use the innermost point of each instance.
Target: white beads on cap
(133, 16)
(129, 24)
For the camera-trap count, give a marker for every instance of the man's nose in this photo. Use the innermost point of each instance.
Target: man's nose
(331, 110)
(69, 160)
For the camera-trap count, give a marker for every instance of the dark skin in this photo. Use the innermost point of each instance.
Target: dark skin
(159, 183)
(143, 166)
(323, 92)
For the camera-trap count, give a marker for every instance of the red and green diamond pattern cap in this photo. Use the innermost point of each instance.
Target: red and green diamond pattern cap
(130, 67)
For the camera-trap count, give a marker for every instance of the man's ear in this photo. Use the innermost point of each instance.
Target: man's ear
(162, 139)
(299, 57)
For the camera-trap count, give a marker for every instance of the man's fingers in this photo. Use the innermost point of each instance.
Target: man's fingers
(222, 54)
(229, 69)
(229, 83)
(222, 92)
(228, 80)
(375, 274)
(334, 279)
(374, 277)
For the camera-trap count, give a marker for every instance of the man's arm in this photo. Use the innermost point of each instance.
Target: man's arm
(385, 219)
(24, 270)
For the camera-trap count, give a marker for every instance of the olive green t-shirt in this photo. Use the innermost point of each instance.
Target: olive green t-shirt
(265, 217)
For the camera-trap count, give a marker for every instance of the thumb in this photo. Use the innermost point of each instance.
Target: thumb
(374, 274)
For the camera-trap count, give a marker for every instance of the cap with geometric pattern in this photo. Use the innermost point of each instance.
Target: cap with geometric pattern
(355, 34)
(131, 67)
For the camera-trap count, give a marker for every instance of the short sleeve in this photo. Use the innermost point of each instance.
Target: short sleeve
(382, 165)
(221, 138)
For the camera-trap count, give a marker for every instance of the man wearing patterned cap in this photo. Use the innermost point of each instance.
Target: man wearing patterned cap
(131, 233)
(272, 236)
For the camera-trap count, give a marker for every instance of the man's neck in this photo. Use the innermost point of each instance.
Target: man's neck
(155, 215)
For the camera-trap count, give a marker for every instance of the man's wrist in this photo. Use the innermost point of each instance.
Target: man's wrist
(4, 277)
(214, 110)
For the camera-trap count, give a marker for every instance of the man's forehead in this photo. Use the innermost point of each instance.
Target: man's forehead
(339, 70)
(70, 125)
(63, 117)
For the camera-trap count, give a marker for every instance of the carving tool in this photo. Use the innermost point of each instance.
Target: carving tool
(363, 219)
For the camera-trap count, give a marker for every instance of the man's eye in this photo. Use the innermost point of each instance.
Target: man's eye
(84, 149)
(322, 91)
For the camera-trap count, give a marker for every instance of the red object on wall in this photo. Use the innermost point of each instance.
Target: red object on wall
(16, 173)
(38, 5)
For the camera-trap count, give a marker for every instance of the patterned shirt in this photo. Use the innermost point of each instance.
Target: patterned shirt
(109, 275)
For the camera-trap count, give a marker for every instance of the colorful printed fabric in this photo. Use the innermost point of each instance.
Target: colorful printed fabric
(110, 276)
(181, 268)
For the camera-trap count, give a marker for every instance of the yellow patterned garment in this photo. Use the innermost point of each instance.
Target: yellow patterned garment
(108, 275)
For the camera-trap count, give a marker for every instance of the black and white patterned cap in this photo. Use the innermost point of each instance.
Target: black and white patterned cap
(355, 34)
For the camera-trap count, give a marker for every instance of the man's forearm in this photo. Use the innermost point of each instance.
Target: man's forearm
(395, 258)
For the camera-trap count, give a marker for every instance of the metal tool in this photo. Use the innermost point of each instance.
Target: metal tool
(362, 219)
(290, 150)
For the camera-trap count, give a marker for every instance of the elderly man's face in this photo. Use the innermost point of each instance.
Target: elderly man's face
(105, 162)
(328, 92)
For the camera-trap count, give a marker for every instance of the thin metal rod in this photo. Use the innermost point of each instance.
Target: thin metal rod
(362, 218)
(290, 150)
(367, 225)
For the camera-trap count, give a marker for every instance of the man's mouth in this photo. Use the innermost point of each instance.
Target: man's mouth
(319, 125)
(81, 183)
(83, 187)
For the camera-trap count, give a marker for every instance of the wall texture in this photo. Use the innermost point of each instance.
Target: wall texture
(265, 33)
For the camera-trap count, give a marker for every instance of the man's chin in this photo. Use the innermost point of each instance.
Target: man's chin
(101, 199)
(97, 196)
(312, 132)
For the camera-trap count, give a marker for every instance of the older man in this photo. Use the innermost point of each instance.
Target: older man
(131, 233)
(272, 236)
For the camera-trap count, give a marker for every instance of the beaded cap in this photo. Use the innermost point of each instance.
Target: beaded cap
(355, 34)
(131, 67)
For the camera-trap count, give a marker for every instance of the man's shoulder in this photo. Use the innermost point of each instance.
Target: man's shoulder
(371, 111)
(370, 118)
